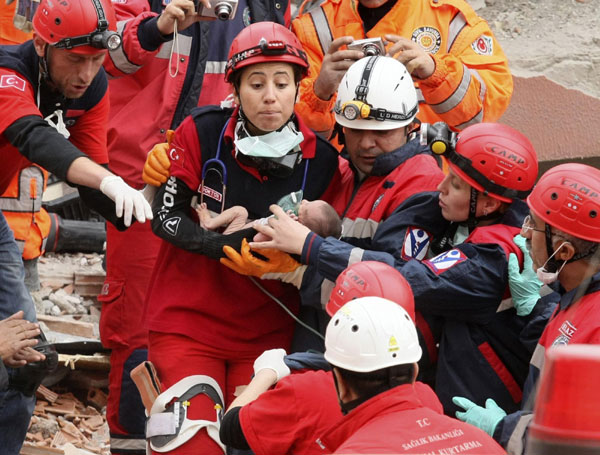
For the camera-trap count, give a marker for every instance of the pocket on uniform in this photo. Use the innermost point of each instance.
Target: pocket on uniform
(112, 319)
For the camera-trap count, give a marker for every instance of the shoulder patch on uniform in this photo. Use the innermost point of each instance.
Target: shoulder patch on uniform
(416, 243)
(484, 45)
(445, 261)
(10, 80)
(429, 38)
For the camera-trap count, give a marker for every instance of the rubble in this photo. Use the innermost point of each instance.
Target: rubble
(69, 417)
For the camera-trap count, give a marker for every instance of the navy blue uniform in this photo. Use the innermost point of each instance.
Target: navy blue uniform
(483, 348)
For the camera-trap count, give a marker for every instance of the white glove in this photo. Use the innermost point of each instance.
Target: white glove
(149, 191)
(273, 360)
(127, 201)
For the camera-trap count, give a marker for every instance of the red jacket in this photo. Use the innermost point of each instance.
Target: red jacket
(396, 422)
(159, 89)
(289, 418)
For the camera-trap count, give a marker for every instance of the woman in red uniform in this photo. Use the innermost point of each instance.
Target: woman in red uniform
(204, 318)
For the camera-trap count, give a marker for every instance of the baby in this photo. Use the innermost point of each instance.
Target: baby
(318, 216)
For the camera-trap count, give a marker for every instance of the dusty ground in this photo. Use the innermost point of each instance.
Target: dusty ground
(556, 38)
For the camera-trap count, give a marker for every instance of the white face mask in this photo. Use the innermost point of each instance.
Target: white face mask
(550, 277)
(271, 145)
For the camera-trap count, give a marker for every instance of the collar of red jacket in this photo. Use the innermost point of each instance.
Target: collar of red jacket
(399, 398)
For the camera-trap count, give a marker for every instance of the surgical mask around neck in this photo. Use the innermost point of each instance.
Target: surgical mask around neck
(550, 277)
(275, 144)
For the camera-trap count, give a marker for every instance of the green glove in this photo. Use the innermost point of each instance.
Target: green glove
(486, 418)
(524, 286)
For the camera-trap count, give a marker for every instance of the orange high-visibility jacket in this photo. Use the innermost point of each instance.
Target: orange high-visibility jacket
(9, 34)
(471, 82)
(21, 204)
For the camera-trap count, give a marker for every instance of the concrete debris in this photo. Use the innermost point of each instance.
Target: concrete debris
(69, 417)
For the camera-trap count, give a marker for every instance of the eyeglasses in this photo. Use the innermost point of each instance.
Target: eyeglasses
(528, 225)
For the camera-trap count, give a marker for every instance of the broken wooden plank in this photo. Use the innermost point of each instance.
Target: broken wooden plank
(99, 362)
(30, 449)
(69, 326)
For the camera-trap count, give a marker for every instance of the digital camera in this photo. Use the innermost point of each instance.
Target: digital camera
(369, 46)
(223, 9)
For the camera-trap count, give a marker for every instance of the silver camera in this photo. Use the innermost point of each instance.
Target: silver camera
(223, 9)
(369, 46)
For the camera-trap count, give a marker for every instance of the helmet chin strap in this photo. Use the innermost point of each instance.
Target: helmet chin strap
(44, 65)
(474, 220)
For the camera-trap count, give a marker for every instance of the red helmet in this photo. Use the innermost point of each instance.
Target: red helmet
(371, 279)
(567, 407)
(265, 42)
(80, 26)
(495, 159)
(568, 198)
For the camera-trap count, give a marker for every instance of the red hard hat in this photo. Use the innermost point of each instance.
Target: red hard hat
(495, 159)
(568, 198)
(72, 24)
(567, 406)
(265, 42)
(371, 279)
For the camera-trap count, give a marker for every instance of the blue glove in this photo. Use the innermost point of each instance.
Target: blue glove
(486, 418)
(524, 286)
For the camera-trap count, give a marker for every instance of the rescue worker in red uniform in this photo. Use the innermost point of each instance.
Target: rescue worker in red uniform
(203, 318)
(563, 233)
(159, 77)
(458, 66)
(380, 167)
(373, 347)
(51, 88)
(291, 417)
(453, 247)
(570, 375)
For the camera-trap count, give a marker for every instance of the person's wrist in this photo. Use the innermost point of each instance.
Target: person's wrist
(267, 374)
(321, 92)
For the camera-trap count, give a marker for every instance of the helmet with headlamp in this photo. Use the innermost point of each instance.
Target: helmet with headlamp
(264, 42)
(80, 26)
(376, 93)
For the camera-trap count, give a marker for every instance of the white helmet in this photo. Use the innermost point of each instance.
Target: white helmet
(376, 93)
(371, 333)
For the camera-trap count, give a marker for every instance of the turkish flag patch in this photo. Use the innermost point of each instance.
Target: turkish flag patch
(445, 261)
(10, 80)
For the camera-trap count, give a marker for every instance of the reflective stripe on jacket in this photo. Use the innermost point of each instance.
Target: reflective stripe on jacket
(21, 205)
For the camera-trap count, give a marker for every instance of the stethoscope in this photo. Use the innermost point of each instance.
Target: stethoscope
(218, 166)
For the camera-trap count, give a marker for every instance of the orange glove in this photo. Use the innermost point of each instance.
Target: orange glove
(157, 165)
(245, 263)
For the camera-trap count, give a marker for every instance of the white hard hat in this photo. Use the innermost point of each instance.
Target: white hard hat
(376, 93)
(371, 333)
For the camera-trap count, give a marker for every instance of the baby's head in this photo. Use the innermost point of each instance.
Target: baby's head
(321, 218)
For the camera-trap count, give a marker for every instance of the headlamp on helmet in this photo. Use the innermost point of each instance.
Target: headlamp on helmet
(101, 38)
(438, 136)
(265, 42)
(359, 108)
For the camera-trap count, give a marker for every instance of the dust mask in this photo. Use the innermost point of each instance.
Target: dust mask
(550, 277)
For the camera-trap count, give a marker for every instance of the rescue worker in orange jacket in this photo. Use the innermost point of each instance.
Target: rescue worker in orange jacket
(21, 204)
(460, 69)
